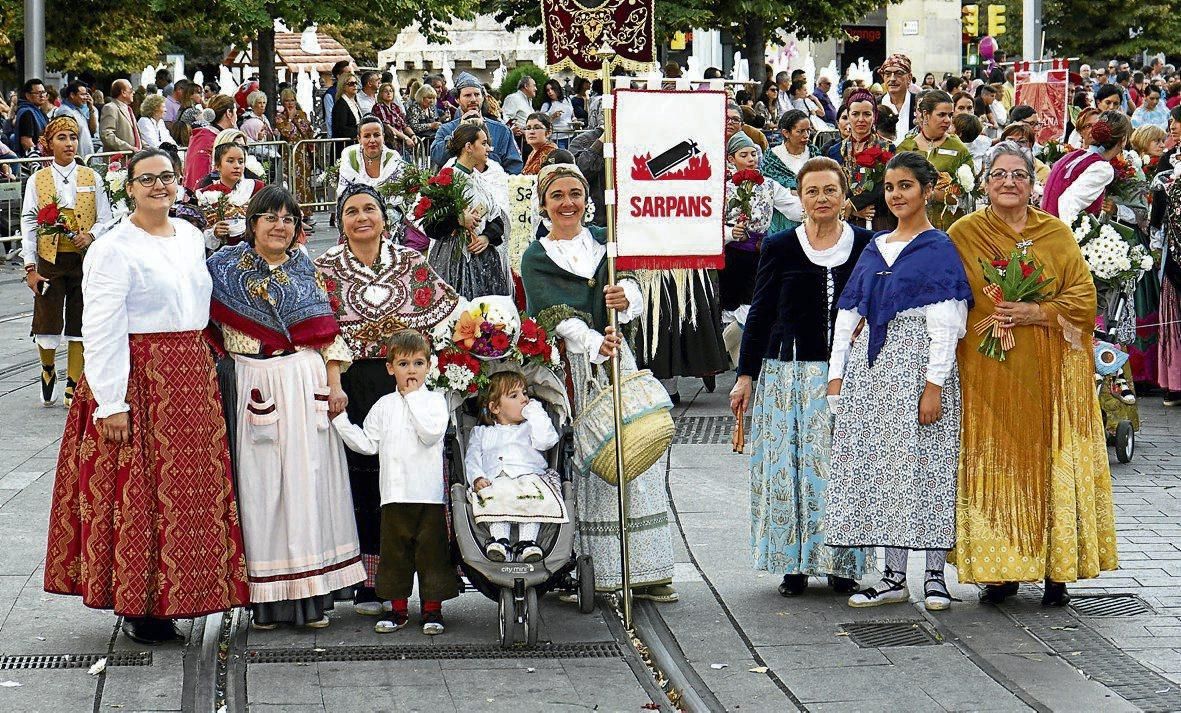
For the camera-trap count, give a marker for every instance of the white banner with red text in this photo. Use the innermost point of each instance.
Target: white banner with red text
(670, 173)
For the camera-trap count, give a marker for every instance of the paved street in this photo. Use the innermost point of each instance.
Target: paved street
(746, 647)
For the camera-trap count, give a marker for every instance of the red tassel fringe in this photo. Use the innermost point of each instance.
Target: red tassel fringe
(670, 262)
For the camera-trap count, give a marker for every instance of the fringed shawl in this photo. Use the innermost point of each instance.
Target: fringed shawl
(1020, 415)
(283, 308)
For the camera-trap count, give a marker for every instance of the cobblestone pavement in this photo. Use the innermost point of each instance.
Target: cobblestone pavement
(1118, 648)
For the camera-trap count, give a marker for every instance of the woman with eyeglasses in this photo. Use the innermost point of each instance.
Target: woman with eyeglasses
(282, 342)
(346, 113)
(1035, 501)
(538, 129)
(951, 158)
(144, 520)
(783, 161)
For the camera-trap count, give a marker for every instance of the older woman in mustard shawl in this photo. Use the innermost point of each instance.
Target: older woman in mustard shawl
(1034, 491)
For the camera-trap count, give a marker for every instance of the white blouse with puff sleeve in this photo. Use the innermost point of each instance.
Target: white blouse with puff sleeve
(581, 256)
(137, 283)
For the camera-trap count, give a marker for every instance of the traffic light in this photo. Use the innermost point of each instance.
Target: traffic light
(996, 20)
(971, 18)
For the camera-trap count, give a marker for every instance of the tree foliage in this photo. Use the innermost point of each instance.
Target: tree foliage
(1090, 30)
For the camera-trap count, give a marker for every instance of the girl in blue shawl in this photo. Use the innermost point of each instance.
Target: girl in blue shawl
(895, 393)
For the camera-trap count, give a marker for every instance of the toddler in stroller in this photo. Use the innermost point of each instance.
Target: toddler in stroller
(507, 471)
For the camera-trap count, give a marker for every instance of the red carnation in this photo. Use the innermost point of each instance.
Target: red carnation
(422, 296)
(529, 330)
(424, 204)
(500, 341)
(1026, 269)
(422, 274)
(445, 177)
(49, 215)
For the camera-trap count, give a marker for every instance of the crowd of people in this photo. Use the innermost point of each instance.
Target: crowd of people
(852, 276)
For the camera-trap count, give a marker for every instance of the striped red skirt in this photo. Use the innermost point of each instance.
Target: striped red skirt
(150, 527)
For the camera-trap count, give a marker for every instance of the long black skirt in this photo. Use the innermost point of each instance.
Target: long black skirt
(366, 381)
(683, 338)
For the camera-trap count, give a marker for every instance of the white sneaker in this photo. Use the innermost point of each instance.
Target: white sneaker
(531, 553)
(496, 551)
(891, 590)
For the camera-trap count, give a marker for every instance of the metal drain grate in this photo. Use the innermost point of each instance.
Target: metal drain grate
(412, 652)
(703, 430)
(1109, 605)
(876, 634)
(57, 661)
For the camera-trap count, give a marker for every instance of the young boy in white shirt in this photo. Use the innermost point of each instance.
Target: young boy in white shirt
(405, 429)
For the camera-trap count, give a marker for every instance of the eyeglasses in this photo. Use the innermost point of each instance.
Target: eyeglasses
(1018, 175)
(733, 120)
(271, 219)
(148, 180)
(536, 127)
(352, 84)
(889, 73)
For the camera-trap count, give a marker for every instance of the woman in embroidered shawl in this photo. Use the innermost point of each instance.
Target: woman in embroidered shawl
(285, 354)
(784, 161)
(466, 250)
(375, 289)
(565, 279)
(896, 434)
(786, 346)
(1034, 484)
(867, 206)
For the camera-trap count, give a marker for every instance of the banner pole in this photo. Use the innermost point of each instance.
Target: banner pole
(605, 54)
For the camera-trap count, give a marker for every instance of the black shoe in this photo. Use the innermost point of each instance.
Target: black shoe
(710, 382)
(151, 632)
(68, 394)
(48, 384)
(1055, 595)
(842, 585)
(998, 593)
(793, 585)
(675, 397)
(365, 594)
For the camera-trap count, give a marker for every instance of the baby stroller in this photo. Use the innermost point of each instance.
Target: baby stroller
(1115, 329)
(517, 586)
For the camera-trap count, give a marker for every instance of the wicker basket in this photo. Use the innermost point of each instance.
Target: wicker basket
(647, 427)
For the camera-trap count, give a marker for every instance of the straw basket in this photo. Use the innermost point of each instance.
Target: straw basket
(647, 427)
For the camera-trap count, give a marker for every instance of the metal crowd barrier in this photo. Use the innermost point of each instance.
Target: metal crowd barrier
(14, 173)
(273, 155)
(308, 162)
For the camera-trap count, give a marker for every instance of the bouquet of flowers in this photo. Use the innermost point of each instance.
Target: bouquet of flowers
(484, 330)
(216, 203)
(1017, 278)
(51, 222)
(1053, 150)
(440, 198)
(745, 181)
(115, 182)
(1128, 185)
(870, 169)
(1113, 254)
(959, 183)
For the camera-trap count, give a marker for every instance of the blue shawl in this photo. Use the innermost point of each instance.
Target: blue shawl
(927, 271)
(283, 308)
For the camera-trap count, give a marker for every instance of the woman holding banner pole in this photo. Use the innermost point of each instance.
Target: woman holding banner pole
(565, 276)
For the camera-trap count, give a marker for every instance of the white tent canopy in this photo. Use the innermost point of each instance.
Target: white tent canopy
(480, 43)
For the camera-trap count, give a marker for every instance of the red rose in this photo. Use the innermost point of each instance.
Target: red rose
(472, 363)
(424, 204)
(1000, 264)
(865, 159)
(329, 284)
(422, 274)
(384, 351)
(422, 296)
(886, 156)
(445, 177)
(1026, 269)
(757, 178)
(500, 341)
(472, 388)
(48, 215)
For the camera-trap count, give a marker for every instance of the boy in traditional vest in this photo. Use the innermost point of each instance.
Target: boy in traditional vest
(53, 262)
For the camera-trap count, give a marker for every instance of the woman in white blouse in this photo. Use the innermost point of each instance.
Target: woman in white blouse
(153, 132)
(560, 111)
(1079, 180)
(566, 289)
(894, 388)
(144, 520)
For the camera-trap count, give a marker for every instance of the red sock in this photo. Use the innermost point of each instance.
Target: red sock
(430, 605)
(401, 606)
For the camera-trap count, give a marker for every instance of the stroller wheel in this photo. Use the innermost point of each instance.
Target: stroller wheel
(532, 616)
(1125, 442)
(508, 619)
(586, 584)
